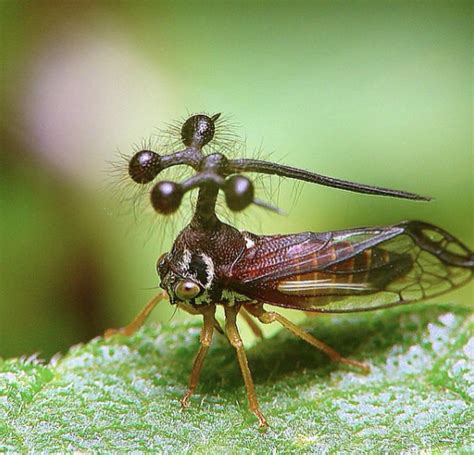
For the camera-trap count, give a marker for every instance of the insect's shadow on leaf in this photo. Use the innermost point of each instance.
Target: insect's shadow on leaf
(365, 337)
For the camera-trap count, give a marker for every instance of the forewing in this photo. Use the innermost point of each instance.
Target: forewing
(276, 257)
(357, 270)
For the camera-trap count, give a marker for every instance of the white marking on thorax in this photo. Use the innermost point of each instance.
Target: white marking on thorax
(232, 297)
(209, 270)
(185, 263)
(185, 260)
(249, 243)
(203, 299)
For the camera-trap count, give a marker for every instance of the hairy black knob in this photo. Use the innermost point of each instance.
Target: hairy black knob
(198, 130)
(144, 166)
(166, 197)
(238, 192)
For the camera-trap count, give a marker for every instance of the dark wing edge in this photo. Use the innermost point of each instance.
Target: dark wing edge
(421, 261)
(440, 243)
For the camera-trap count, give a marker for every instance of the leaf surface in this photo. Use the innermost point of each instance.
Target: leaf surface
(122, 394)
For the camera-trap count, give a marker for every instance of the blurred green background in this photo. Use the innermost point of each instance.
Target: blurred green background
(374, 92)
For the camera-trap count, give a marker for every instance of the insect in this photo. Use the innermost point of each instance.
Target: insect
(212, 263)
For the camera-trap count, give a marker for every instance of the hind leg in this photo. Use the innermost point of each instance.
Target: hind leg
(250, 322)
(267, 317)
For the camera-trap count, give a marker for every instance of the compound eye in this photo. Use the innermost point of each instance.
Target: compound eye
(187, 290)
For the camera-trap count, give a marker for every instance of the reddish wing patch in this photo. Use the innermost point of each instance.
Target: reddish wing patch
(354, 270)
(280, 256)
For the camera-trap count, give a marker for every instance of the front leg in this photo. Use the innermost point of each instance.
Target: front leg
(207, 330)
(139, 320)
(192, 310)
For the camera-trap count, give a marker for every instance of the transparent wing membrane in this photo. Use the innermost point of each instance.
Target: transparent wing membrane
(428, 277)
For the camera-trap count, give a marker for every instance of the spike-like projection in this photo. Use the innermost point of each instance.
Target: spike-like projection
(214, 172)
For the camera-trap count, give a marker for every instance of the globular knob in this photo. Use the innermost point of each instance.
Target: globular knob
(238, 192)
(144, 166)
(166, 197)
(198, 130)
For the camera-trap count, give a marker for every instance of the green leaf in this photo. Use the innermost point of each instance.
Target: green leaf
(122, 394)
